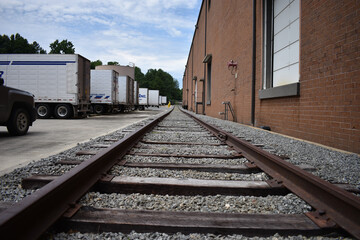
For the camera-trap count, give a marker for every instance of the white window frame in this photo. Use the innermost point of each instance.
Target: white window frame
(271, 86)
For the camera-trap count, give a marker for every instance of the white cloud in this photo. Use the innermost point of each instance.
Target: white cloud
(151, 33)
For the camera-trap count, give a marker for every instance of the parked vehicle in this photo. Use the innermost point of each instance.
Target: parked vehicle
(126, 93)
(104, 95)
(143, 98)
(17, 109)
(136, 94)
(126, 84)
(163, 100)
(59, 82)
(154, 98)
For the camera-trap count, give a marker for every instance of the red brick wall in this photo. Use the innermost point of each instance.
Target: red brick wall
(328, 108)
(229, 38)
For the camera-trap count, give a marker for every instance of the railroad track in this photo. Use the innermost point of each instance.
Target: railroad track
(181, 164)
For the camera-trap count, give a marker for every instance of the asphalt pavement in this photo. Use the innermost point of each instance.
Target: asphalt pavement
(51, 136)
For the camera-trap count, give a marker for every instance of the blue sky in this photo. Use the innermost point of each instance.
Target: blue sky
(150, 33)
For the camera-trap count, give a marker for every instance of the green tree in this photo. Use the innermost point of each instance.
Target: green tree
(95, 63)
(113, 63)
(63, 47)
(37, 48)
(140, 77)
(164, 82)
(17, 44)
(4, 44)
(160, 80)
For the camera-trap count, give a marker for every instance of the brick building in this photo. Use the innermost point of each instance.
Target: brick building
(292, 65)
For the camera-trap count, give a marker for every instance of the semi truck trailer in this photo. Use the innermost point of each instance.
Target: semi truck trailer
(136, 94)
(143, 98)
(163, 100)
(104, 94)
(126, 93)
(60, 83)
(154, 98)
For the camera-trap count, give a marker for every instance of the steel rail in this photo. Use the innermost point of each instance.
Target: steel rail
(29, 218)
(330, 201)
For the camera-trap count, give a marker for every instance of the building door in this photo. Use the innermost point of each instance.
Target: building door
(195, 96)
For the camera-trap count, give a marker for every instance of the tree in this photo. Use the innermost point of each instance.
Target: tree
(113, 63)
(17, 44)
(95, 63)
(5, 44)
(139, 77)
(160, 80)
(63, 47)
(37, 48)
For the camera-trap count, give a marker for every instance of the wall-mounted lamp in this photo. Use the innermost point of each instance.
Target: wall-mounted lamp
(233, 66)
(207, 58)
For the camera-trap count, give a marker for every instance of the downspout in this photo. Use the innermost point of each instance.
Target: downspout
(203, 93)
(192, 77)
(253, 66)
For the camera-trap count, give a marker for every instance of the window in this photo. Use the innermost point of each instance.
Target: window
(281, 47)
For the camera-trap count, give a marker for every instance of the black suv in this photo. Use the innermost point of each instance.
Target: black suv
(17, 109)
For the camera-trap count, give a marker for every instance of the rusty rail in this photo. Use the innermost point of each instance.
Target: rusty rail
(332, 204)
(29, 218)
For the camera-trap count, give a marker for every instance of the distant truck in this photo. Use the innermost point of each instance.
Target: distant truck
(17, 109)
(126, 84)
(154, 98)
(136, 94)
(163, 100)
(104, 95)
(126, 93)
(59, 82)
(143, 98)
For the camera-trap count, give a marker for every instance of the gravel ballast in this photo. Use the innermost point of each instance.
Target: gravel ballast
(184, 174)
(331, 165)
(289, 204)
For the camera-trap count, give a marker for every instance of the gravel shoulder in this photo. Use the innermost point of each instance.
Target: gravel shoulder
(331, 165)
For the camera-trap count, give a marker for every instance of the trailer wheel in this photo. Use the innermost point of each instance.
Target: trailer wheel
(99, 109)
(19, 122)
(43, 111)
(62, 111)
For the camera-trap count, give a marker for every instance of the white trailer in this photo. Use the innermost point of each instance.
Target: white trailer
(143, 98)
(160, 100)
(154, 98)
(131, 93)
(126, 92)
(59, 82)
(104, 95)
(163, 100)
(136, 94)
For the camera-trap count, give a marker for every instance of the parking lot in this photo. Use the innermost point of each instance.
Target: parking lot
(51, 136)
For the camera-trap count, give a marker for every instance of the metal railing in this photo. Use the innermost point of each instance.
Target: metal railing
(228, 108)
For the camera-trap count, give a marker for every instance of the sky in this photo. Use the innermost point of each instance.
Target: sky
(149, 33)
